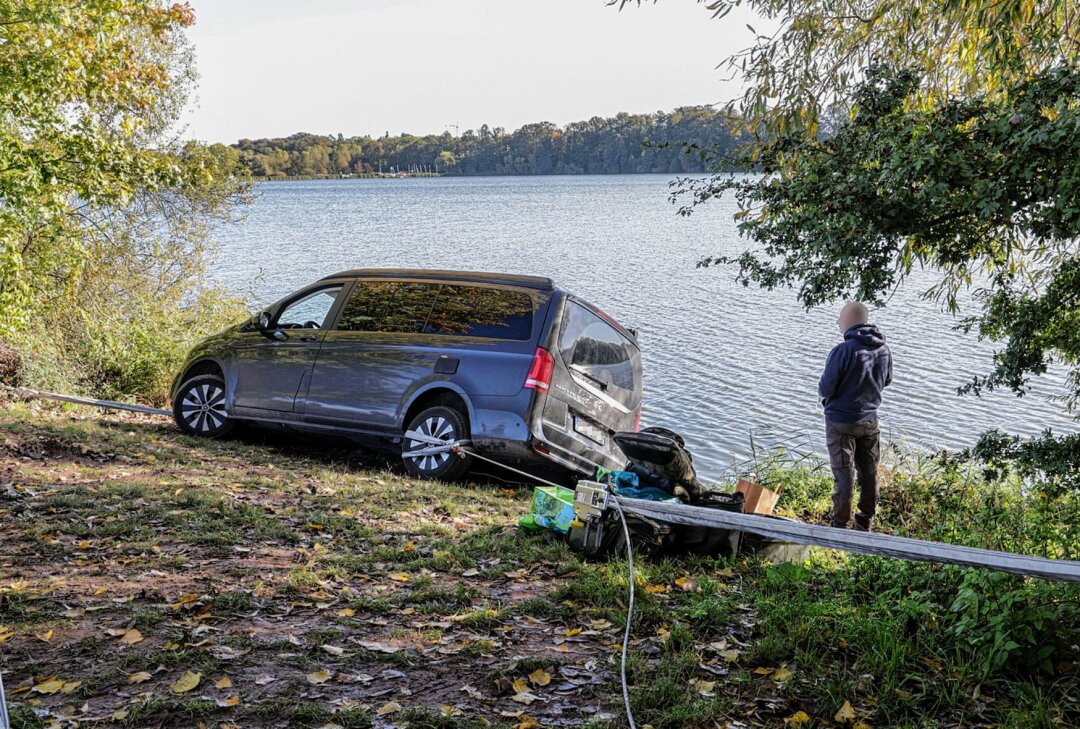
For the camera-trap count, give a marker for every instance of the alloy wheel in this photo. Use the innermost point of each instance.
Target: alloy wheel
(436, 427)
(203, 407)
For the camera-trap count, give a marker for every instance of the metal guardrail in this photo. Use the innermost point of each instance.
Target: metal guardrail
(849, 540)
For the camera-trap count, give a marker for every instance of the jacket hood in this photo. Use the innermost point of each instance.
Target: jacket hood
(867, 334)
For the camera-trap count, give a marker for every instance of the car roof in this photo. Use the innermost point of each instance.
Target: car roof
(533, 282)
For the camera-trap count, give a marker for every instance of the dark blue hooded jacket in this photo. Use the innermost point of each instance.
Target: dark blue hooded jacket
(856, 372)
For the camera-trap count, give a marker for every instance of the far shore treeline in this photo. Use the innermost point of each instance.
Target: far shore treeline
(625, 143)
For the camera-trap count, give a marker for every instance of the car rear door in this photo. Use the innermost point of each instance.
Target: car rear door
(596, 383)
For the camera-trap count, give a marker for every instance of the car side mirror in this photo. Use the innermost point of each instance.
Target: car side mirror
(263, 321)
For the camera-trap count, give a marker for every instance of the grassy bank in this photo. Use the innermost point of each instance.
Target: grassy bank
(149, 579)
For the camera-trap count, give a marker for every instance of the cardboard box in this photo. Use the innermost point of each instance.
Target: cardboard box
(758, 499)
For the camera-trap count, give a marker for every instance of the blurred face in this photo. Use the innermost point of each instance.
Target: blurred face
(844, 320)
(849, 317)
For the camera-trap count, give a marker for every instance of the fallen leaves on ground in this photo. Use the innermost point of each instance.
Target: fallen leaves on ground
(846, 713)
(318, 677)
(188, 681)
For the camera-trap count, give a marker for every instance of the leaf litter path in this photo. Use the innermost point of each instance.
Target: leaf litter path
(150, 579)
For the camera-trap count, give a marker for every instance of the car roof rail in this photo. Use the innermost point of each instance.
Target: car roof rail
(542, 283)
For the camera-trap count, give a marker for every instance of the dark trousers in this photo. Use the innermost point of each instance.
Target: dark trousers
(854, 449)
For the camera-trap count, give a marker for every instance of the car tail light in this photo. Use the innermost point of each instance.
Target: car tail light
(637, 421)
(539, 377)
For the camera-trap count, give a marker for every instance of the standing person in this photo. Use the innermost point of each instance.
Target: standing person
(856, 372)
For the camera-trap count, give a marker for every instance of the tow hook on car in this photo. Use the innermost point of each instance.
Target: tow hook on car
(435, 446)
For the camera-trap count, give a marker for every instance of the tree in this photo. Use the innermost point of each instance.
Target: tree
(85, 87)
(614, 145)
(819, 49)
(103, 213)
(985, 190)
(939, 133)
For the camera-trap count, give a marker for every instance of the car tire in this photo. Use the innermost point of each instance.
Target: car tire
(443, 423)
(199, 407)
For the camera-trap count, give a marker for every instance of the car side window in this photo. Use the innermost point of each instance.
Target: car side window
(388, 306)
(308, 312)
(475, 311)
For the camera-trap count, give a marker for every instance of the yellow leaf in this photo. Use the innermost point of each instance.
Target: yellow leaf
(731, 655)
(399, 576)
(655, 589)
(762, 671)
(861, 724)
(797, 719)
(185, 683)
(571, 632)
(317, 677)
(228, 701)
(388, 708)
(131, 637)
(540, 677)
(846, 713)
(726, 572)
(781, 674)
(140, 677)
(520, 686)
(704, 688)
(51, 686)
(170, 646)
(70, 686)
(686, 584)
(5, 633)
(409, 547)
(332, 649)
(224, 683)
(447, 710)
(46, 636)
(527, 722)
(346, 612)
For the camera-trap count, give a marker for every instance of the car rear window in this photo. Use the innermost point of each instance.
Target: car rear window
(472, 311)
(475, 311)
(599, 356)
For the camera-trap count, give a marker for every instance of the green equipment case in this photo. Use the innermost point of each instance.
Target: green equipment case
(552, 508)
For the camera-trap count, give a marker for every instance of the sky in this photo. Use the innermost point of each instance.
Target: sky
(275, 67)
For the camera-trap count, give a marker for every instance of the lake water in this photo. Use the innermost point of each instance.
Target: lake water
(725, 365)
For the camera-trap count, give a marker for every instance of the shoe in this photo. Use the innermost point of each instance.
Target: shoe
(861, 526)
